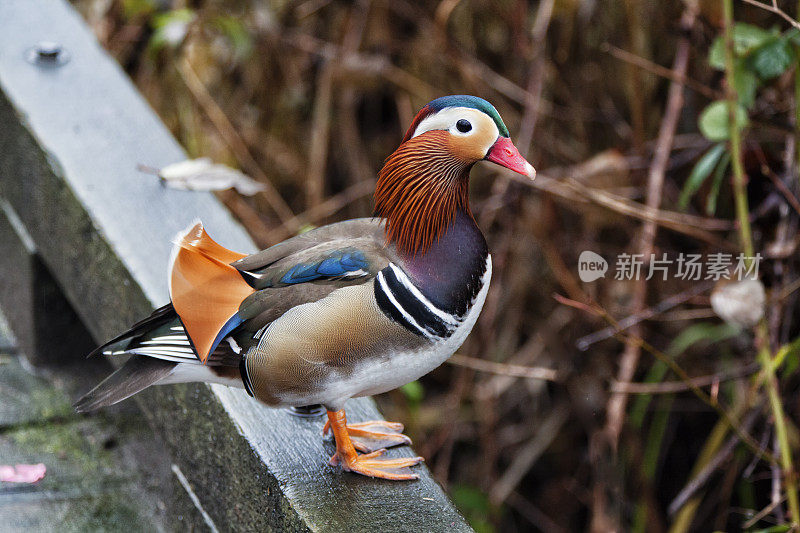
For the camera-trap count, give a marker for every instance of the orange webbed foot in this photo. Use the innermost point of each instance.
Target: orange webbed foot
(374, 435)
(368, 464)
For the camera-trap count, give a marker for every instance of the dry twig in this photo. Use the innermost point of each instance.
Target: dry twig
(526, 458)
(504, 369)
(658, 70)
(577, 194)
(773, 8)
(671, 387)
(586, 341)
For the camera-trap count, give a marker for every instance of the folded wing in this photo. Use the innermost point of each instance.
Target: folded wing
(214, 290)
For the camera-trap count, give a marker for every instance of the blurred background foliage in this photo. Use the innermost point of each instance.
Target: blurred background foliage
(624, 108)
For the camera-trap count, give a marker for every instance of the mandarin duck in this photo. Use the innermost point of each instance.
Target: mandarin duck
(351, 309)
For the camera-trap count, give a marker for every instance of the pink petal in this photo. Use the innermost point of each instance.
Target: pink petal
(22, 473)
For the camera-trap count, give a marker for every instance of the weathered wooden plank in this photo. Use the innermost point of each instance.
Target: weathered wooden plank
(72, 136)
(47, 329)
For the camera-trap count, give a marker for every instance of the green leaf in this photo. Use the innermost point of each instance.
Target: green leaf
(775, 529)
(655, 437)
(475, 505)
(170, 28)
(713, 120)
(642, 401)
(471, 499)
(171, 17)
(791, 364)
(134, 8)
(413, 391)
(772, 58)
(793, 35)
(746, 83)
(791, 360)
(699, 173)
(716, 54)
(716, 184)
(745, 39)
(702, 332)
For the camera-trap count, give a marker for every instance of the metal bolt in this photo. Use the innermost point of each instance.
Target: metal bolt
(48, 50)
(47, 54)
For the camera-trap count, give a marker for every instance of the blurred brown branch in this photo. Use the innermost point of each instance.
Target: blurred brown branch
(671, 387)
(233, 139)
(675, 76)
(773, 8)
(504, 369)
(615, 410)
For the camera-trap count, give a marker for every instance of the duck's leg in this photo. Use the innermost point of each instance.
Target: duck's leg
(367, 464)
(373, 435)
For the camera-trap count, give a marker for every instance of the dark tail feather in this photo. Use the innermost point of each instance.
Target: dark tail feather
(159, 317)
(136, 374)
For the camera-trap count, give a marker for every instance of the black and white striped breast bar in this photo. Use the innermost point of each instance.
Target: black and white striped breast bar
(402, 301)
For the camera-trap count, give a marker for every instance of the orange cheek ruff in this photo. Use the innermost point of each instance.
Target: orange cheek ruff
(419, 190)
(205, 290)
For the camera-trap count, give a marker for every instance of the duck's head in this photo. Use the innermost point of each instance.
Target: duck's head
(470, 130)
(426, 180)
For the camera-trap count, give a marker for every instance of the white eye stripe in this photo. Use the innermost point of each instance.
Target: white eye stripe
(447, 118)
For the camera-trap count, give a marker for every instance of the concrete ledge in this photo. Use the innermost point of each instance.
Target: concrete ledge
(71, 138)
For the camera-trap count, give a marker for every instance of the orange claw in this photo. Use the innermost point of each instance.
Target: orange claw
(373, 435)
(367, 464)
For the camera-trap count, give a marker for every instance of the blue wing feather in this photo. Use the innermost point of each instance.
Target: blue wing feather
(337, 264)
(331, 267)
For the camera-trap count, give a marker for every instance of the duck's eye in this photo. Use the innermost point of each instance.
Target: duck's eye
(463, 125)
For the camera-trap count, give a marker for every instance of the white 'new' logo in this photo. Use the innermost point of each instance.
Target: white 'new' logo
(591, 266)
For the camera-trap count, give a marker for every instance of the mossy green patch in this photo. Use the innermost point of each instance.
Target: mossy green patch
(50, 403)
(64, 441)
(113, 511)
(25, 398)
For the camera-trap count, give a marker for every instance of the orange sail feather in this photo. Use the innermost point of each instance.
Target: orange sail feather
(205, 290)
